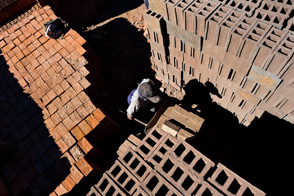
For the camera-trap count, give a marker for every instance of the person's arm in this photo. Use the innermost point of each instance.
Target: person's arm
(134, 105)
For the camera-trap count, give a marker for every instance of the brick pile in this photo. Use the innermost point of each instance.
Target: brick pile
(161, 164)
(44, 111)
(244, 48)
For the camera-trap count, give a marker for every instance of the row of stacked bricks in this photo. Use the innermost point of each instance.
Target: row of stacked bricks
(44, 110)
(247, 58)
(163, 165)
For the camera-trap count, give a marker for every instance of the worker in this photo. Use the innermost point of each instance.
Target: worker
(142, 97)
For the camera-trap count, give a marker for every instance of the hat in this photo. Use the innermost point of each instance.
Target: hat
(54, 29)
(147, 91)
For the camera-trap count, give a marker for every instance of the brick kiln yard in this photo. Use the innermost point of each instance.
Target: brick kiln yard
(59, 102)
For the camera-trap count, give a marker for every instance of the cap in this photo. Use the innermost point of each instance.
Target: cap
(147, 91)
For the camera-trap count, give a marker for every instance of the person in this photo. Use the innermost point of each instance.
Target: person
(55, 29)
(142, 97)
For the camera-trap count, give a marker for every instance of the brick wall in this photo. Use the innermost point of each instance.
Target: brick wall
(243, 48)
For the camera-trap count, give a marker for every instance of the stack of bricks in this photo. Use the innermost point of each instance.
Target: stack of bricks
(244, 48)
(44, 111)
(161, 164)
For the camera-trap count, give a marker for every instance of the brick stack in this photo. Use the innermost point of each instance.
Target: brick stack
(44, 111)
(244, 48)
(164, 165)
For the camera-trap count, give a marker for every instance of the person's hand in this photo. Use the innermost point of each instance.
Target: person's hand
(130, 118)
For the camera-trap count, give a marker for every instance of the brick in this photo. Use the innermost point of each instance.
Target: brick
(76, 102)
(85, 145)
(128, 182)
(106, 184)
(85, 127)
(62, 145)
(83, 112)
(76, 152)
(68, 123)
(84, 167)
(75, 117)
(229, 178)
(75, 174)
(92, 121)
(77, 133)
(60, 190)
(68, 183)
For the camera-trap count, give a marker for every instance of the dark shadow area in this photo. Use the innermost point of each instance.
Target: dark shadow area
(259, 153)
(35, 166)
(82, 13)
(118, 58)
(124, 56)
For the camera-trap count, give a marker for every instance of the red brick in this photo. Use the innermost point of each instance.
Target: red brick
(75, 174)
(84, 167)
(51, 108)
(84, 71)
(64, 85)
(84, 83)
(41, 59)
(69, 158)
(57, 68)
(85, 127)
(76, 102)
(81, 50)
(49, 124)
(83, 112)
(46, 65)
(52, 51)
(56, 118)
(80, 40)
(68, 123)
(63, 53)
(68, 139)
(83, 97)
(68, 183)
(77, 133)
(61, 129)
(62, 146)
(16, 41)
(89, 106)
(58, 90)
(51, 94)
(75, 117)
(71, 92)
(64, 97)
(85, 145)
(60, 190)
(57, 47)
(92, 121)
(98, 115)
(69, 108)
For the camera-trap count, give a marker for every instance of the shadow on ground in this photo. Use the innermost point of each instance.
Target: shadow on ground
(260, 153)
(35, 166)
(125, 60)
(82, 13)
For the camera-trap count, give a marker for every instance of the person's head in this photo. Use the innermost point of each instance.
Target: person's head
(147, 91)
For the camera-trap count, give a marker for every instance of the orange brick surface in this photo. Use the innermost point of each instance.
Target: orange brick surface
(46, 92)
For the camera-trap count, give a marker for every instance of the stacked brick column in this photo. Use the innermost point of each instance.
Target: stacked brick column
(243, 47)
(161, 164)
(44, 110)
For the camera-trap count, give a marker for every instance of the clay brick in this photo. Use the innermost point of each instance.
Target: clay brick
(77, 133)
(83, 112)
(64, 97)
(123, 177)
(98, 115)
(136, 164)
(62, 145)
(60, 190)
(229, 179)
(56, 118)
(85, 145)
(68, 183)
(107, 186)
(155, 184)
(75, 174)
(84, 167)
(151, 142)
(83, 97)
(178, 175)
(84, 83)
(75, 117)
(92, 121)
(69, 108)
(68, 123)
(85, 127)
